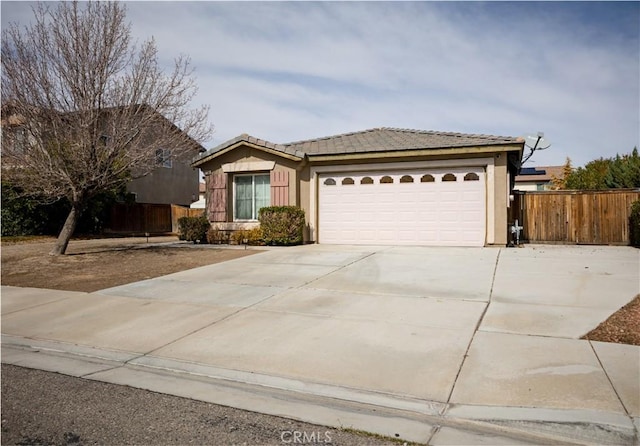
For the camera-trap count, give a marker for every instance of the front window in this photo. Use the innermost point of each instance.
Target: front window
(252, 192)
(163, 158)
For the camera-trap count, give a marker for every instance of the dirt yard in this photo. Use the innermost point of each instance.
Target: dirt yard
(92, 265)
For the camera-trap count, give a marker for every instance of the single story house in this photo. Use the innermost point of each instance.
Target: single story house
(538, 178)
(383, 186)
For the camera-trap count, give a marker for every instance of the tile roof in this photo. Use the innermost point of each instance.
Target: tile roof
(383, 139)
(386, 139)
(249, 139)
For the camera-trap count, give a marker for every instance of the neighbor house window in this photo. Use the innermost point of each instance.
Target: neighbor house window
(163, 158)
(19, 137)
(22, 141)
(251, 192)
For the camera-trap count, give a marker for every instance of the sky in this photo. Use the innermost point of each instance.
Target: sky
(288, 71)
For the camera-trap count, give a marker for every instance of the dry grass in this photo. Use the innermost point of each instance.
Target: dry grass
(92, 265)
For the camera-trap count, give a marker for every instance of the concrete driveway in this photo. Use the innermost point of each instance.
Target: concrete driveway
(438, 345)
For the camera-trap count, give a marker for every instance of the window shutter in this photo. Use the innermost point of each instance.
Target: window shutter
(279, 188)
(217, 199)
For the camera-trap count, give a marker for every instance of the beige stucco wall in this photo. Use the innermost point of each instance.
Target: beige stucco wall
(534, 186)
(501, 199)
(303, 178)
(242, 158)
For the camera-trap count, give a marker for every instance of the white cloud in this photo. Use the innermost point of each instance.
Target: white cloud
(289, 71)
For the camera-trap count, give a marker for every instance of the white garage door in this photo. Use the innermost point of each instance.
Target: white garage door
(425, 207)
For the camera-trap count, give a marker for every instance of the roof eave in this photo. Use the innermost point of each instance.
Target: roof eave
(296, 156)
(417, 152)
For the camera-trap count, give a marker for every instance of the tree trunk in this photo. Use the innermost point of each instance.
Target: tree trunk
(67, 230)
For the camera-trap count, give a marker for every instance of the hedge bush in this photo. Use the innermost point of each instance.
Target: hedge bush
(193, 229)
(634, 224)
(249, 236)
(282, 225)
(216, 236)
(24, 215)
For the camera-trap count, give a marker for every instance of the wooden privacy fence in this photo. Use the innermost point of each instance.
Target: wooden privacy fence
(582, 217)
(142, 218)
(181, 211)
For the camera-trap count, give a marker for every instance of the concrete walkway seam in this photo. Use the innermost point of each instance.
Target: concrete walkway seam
(477, 327)
(604, 369)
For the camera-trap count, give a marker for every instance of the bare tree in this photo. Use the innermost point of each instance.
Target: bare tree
(90, 108)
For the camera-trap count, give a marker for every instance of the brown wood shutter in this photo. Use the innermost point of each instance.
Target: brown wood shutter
(217, 199)
(279, 188)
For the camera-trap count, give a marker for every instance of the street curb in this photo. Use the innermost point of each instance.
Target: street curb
(394, 416)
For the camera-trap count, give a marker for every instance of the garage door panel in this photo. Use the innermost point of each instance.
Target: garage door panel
(449, 235)
(471, 195)
(450, 196)
(425, 213)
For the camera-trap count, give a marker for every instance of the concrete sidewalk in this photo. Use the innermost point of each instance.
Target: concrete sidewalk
(437, 345)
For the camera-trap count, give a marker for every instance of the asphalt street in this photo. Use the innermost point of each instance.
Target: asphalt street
(44, 408)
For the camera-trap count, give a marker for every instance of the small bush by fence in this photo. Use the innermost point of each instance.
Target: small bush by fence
(634, 224)
(141, 218)
(193, 229)
(177, 212)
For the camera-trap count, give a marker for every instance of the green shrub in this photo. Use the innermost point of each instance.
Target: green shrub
(29, 215)
(193, 229)
(282, 225)
(634, 224)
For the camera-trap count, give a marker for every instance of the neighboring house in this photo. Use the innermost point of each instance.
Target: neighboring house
(172, 182)
(202, 202)
(538, 178)
(382, 186)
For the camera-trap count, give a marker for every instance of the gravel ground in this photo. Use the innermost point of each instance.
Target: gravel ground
(43, 408)
(622, 327)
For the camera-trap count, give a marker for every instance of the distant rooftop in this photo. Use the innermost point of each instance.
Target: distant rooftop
(539, 173)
